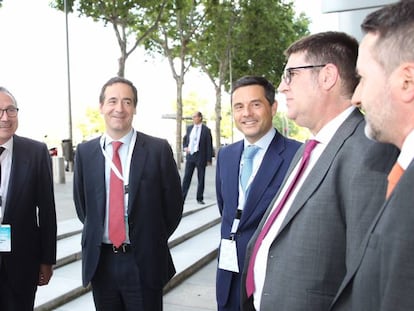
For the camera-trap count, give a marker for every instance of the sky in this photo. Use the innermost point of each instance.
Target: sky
(33, 66)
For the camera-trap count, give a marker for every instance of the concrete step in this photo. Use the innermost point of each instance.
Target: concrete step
(193, 244)
(193, 222)
(196, 296)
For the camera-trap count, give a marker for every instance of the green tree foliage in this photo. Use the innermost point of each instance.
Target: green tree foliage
(227, 39)
(289, 128)
(213, 52)
(266, 29)
(175, 38)
(132, 21)
(244, 37)
(92, 123)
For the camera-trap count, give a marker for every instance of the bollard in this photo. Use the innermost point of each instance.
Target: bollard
(58, 170)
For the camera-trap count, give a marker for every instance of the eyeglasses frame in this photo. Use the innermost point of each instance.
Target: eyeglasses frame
(7, 110)
(287, 72)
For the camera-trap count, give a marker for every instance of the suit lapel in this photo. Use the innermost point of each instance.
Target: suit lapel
(18, 172)
(230, 173)
(138, 160)
(97, 159)
(323, 164)
(269, 167)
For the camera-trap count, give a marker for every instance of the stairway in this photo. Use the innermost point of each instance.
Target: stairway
(193, 245)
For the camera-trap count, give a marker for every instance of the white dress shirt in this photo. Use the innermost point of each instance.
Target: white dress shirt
(124, 155)
(323, 137)
(407, 151)
(6, 162)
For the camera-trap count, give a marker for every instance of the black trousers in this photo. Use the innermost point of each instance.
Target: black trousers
(15, 299)
(192, 162)
(116, 285)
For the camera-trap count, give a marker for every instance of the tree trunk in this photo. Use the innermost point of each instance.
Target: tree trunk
(179, 144)
(218, 117)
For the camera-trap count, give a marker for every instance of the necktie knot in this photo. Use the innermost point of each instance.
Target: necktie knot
(309, 146)
(116, 145)
(250, 152)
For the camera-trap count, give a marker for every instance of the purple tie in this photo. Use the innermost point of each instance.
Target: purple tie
(250, 270)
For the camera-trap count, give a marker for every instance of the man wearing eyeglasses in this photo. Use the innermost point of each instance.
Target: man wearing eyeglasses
(299, 254)
(27, 212)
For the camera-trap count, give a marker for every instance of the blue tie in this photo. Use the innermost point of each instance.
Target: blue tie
(248, 156)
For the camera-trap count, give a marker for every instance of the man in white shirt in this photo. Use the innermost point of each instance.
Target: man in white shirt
(303, 257)
(198, 146)
(380, 276)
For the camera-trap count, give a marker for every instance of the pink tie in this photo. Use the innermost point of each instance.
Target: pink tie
(393, 177)
(250, 287)
(116, 201)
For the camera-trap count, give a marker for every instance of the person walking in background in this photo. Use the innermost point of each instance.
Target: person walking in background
(27, 212)
(127, 194)
(242, 204)
(198, 147)
(300, 252)
(380, 276)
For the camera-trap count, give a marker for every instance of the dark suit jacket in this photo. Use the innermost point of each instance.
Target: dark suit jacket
(326, 222)
(154, 208)
(205, 145)
(381, 276)
(262, 190)
(30, 211)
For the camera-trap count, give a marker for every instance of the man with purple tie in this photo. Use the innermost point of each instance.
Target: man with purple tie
(297, 261)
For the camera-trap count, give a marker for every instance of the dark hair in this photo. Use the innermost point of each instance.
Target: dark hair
(331, 47)
(7, 92)
(256, 80)
(394, 23)
(199, 114)
(119, 80)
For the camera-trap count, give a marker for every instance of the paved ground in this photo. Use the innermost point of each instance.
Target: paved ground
(197, 293)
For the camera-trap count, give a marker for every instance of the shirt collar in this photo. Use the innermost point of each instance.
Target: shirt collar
(263, 142)
(326, 133)
(407, 151)
(125, 139)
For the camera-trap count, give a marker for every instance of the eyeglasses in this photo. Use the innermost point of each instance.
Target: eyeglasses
(11, 112)
(287, 73)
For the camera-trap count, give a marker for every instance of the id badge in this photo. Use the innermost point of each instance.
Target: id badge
(228, 256)
(5, 238)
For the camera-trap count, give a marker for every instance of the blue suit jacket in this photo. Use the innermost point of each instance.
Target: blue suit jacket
(155, 206)
(262, 190)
